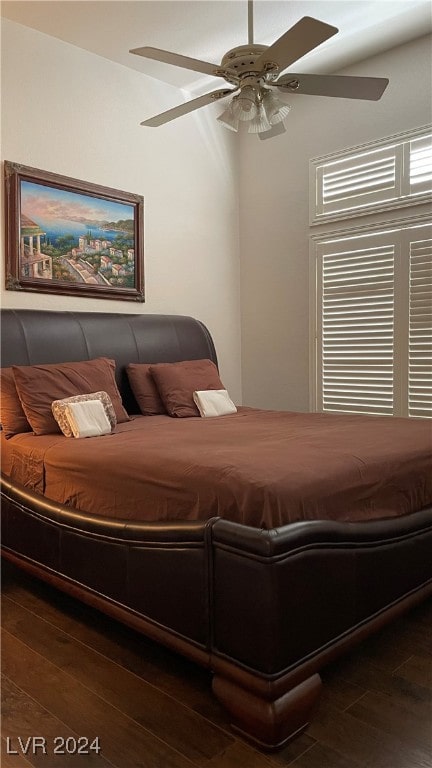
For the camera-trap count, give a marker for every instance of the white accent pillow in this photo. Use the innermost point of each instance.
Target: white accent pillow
(87, 418)
(213, 402)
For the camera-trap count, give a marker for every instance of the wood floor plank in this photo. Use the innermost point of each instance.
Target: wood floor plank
(341, 692)
(417, 670)
(170, 672)
(23, 718)
(11, 760)
(397, 642)
(320, 756)
(293, 749)
(239, 755)
(182, 728)
(360, 671)
(410, 721)
(363, 743)
(124, 743)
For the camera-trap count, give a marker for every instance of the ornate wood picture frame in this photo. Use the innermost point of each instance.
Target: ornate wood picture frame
(72, 237)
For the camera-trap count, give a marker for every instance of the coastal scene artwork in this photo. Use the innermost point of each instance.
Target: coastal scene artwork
(73, 237)
(77, 238)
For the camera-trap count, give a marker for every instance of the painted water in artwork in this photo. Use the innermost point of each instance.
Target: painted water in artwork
(75, 238)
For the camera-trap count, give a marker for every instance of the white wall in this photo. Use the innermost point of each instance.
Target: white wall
(75, 113)
(71, 112)
(274, 216)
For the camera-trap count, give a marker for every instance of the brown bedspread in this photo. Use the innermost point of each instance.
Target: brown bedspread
(261, 468)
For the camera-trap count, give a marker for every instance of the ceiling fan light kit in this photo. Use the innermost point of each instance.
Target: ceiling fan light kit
(261, 114)
(255, 71)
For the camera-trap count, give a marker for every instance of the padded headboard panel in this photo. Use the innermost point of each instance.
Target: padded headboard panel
(31, 337)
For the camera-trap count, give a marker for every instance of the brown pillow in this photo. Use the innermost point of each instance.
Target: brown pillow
(39, 385)
(145, 390)
(177, 382)
(12, 417)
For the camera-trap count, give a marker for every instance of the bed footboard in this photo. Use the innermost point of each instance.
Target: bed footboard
(152, 576)
(288, 601)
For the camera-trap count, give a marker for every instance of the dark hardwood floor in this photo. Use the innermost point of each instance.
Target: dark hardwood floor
(70, 672)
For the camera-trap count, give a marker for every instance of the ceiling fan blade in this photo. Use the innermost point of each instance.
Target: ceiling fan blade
(299, 40)
(189, 106)
(276, 130)
(342, 86)
(174, 58)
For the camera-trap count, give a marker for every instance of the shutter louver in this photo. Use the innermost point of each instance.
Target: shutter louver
(420, 171)
(420, 329)
(358, 330)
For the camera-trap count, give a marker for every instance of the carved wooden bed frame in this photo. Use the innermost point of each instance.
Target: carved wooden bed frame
(263, 610)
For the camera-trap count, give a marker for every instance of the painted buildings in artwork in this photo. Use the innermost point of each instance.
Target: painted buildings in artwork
(94, 259)
(34, 263)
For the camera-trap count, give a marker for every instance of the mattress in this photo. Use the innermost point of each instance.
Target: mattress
(260, 468)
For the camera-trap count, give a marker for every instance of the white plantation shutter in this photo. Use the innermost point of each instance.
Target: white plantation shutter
(377, 176)
(361, 180)
(420, 328)
(357, 326)
(374, 323)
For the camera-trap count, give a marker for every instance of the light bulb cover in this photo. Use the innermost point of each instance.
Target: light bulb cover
(260, 123)
(276, 109)
(229, 120)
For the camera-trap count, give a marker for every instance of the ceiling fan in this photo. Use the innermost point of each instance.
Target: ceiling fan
(254, 72)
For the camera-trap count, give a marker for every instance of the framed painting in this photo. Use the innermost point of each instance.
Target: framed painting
(72, 237)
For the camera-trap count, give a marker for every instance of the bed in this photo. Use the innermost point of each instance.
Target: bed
(262, 591)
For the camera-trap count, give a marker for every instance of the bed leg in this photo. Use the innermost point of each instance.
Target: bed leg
(269, 723)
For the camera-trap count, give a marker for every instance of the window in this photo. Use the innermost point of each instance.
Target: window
(373, 321)
(385, 174)
(371, 309)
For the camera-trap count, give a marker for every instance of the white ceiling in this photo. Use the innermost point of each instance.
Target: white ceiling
(206, 29)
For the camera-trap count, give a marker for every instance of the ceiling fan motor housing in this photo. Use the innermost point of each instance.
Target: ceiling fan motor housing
(239, 63)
